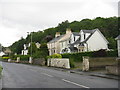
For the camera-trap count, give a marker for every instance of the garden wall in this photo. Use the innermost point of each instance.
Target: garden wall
(58, 62)
(98, 62)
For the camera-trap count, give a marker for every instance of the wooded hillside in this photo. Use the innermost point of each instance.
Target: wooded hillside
(108, 26)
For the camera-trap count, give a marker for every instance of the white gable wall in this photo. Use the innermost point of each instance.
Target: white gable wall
(97, 42)
(82, 35)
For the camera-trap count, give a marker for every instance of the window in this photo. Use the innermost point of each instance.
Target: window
(74, 38)
(54, 51)
(84, 36)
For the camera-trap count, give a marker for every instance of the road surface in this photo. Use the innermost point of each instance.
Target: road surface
(28, 76)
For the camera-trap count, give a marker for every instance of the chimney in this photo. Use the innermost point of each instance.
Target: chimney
(68, 30)
(57, 34)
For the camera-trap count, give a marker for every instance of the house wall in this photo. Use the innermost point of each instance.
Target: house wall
(118, 44)
(72, 38)
(82, 35)
(64, 41)
(97, 42)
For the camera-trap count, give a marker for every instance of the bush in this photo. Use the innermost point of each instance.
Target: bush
(5, 58)
(55, 56)
(72, 65)
(23, 57)
(100, 53)
(112, 53)
(77, 57)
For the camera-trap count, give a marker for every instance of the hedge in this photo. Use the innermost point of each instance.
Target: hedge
(77, 57)
(22, 57)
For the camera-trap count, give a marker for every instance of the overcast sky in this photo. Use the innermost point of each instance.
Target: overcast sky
(17, 17)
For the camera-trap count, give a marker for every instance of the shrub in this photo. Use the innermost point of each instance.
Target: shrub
(55, 56)
(77, 57)
(23, 57)
(72, 65)
(5, 58)
(100, 53)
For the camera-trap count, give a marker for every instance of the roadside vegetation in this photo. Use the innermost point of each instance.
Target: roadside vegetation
(105, 25)
(0, 67)
(108, 26)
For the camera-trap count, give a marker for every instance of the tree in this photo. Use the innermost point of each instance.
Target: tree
(32, 49)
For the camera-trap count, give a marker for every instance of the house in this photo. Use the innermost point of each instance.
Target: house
(89, 40)
(25, 50)
(118, 45)
(65, 44)
(26, 46)
(7, 51)
(59, 42)
(83, 41)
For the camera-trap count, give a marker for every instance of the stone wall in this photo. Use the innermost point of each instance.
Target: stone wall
(57, 62)
(39, 61)
(113, 69)
(99, 62)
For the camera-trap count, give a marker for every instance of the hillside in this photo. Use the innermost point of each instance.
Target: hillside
(108, 26)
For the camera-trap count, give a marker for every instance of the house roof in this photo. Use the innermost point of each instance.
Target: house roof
(85, 31)
(56, 39)
(73, 49)
(76, 33)
(89, 31)
(118, 37)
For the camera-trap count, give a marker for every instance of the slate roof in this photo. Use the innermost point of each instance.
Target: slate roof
(118, 38)
(56, 39)
(88, 31)
(76, 34)
(85, 31)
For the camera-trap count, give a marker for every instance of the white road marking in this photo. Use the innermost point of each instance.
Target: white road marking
(47, 74)
(75, 83)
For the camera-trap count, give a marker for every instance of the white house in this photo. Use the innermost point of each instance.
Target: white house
(25, 50)
(26, 46)
(83, 41)
(87, 40)
(118, 45)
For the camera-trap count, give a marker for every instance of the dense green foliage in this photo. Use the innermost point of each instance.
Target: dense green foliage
(42, 52)
(55, 56)
(77, 57)
(22, 57)
(108, 26)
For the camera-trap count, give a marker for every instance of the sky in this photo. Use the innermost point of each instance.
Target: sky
(17, 17)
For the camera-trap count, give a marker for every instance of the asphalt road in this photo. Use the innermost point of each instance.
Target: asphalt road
(28, 76)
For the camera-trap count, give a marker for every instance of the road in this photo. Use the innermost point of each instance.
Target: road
(28, 76)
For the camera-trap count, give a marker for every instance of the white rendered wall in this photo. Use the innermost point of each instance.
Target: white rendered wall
(96, 42)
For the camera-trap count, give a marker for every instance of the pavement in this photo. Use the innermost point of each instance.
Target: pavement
(29, 76)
